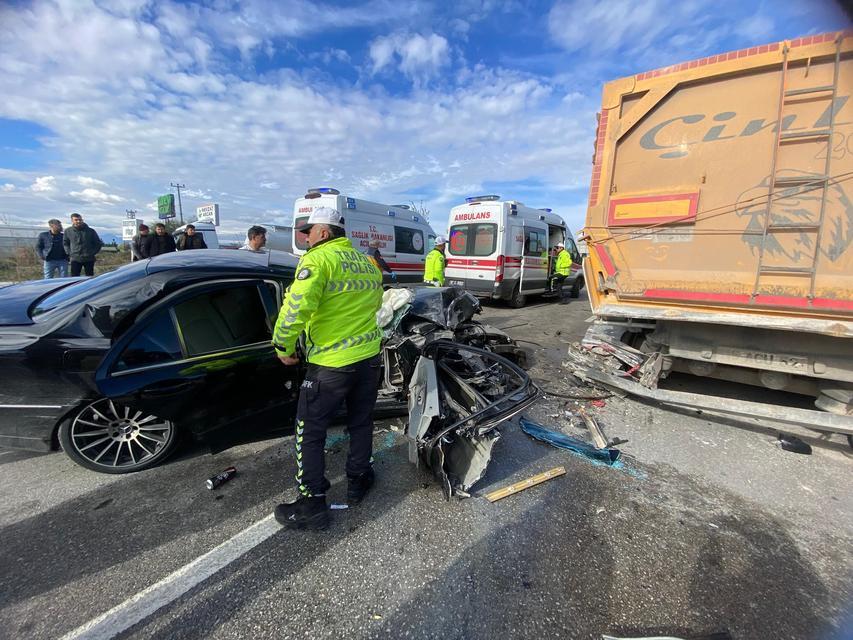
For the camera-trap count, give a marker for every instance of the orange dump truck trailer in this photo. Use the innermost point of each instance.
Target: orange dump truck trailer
(720, 219)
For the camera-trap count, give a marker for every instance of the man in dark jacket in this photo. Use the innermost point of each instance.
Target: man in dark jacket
(377, 259)
(140, 246)
(191, 239)
(82, 244)
(161, 242)
(51, 250)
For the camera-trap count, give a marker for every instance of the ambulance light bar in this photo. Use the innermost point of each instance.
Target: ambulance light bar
(546, 209)
(323, 190)
(473, 199)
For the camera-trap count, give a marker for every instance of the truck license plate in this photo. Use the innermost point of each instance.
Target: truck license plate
(457, 283)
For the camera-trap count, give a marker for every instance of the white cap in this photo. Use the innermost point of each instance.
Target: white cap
(322, 215)
(560, 244)
(440, 240)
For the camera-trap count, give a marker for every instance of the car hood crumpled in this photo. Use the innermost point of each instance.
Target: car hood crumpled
(461, 380)
(16, 299)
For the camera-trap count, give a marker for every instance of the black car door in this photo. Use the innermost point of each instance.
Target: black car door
(203, 359)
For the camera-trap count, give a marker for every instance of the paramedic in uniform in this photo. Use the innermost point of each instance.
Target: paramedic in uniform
(434, 266)
(562, 269)
(333, 300)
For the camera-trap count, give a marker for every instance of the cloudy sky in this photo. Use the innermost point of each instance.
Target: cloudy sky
(250, 103)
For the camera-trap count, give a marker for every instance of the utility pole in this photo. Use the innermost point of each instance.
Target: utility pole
(180, 206)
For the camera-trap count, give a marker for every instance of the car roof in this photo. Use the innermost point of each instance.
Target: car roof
(222, 259)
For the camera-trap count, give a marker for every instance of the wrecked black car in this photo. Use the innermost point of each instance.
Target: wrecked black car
(120, 368)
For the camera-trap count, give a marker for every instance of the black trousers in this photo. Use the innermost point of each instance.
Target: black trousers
(555, 283)
(323, 391)
(88, 267)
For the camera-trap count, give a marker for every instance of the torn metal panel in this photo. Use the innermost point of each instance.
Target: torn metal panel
(476, 390)
(424, 405)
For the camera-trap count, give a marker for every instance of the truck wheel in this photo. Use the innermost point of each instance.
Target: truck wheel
(518, 299)
(576, 289)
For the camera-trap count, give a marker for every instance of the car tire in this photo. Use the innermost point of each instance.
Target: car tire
(576, 288)
(107, 437)
(518, 299)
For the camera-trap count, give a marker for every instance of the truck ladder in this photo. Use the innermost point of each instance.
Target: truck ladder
(777, 184)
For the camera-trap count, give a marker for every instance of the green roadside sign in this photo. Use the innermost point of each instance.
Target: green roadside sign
(166, 206)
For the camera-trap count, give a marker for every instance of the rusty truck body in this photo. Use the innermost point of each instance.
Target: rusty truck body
(720, 217)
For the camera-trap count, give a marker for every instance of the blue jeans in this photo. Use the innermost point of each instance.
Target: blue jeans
(51, 265)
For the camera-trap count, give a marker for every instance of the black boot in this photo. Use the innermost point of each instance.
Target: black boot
(358, 486)
(304, 513)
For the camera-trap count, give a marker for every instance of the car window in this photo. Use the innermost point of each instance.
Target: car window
(473, 239)
(223, 319)
(156, 343)
(408, 240)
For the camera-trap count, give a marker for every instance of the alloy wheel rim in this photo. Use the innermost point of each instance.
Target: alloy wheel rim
(113, 435)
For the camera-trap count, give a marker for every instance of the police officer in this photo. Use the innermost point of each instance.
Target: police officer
(333, 300)
(434, 266)
(561, 270)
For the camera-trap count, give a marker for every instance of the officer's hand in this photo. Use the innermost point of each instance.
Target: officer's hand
(289, 360)
(393, 277)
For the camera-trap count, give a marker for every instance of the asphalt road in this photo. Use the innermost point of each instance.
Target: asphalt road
(707, 526)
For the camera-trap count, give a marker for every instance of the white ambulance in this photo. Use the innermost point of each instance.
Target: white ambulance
(404, 236)
(502, 249)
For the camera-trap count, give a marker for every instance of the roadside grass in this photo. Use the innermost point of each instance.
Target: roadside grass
(25, 264)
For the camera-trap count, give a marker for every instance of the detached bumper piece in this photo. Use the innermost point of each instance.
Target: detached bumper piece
(458, 395)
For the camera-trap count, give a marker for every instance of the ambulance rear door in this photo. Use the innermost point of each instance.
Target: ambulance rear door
(534, 264)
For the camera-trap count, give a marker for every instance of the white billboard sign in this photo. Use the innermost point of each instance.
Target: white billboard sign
(129, 228)
(208, 213)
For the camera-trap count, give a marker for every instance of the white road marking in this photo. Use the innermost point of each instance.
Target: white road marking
(146, 602)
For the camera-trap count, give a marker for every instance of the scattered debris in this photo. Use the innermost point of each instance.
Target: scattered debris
(608, 456)
(597, 433)
(338, 507)
(598, 403)
(221, 478)
(595, 430)
(499, 494)
(576, 396)
(793, 444)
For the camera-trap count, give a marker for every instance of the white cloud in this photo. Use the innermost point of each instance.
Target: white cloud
(196, 193)
(43, 184)
(600, 26)
(85, 181)
(269, 185)
(415, 54)
(8, 187)
(94, 196)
